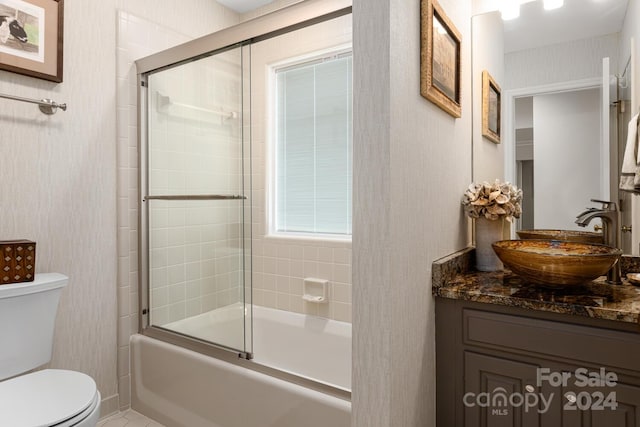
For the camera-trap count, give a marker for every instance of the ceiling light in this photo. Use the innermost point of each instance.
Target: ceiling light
(553, 4)
(510, 9)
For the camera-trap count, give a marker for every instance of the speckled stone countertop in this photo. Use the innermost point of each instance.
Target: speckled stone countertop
(454, 277)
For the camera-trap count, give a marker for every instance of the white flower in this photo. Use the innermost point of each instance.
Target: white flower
(493, 201)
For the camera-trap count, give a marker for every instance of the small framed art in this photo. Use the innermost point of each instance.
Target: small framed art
(31, 33)
(440, 59)
(491, 104)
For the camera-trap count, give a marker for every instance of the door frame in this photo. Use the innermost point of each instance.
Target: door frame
(509, 135)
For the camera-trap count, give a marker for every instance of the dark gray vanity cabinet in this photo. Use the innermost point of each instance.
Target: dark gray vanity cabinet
(501, 366)
(487, 373)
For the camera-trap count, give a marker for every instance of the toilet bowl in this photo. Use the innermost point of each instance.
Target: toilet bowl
(46, 398)
(52, 397)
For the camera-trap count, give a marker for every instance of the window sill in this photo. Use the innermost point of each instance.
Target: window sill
(310, 237)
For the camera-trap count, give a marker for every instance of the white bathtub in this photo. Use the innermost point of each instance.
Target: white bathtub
(179, 387)
(307, 346)
(312, 347)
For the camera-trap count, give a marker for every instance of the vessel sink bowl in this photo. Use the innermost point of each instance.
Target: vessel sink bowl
(556, 263)
(565, 235)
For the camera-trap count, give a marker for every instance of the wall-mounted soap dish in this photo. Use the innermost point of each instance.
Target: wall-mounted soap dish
(316, 290)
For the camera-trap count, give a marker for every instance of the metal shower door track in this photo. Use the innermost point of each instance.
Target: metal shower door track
(298, 15)
(198, 197)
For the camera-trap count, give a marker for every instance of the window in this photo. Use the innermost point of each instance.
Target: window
(313, 147)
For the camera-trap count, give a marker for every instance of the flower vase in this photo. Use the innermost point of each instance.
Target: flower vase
(487, 232)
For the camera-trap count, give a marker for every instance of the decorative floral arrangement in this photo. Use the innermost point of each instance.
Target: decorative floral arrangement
(493, 201)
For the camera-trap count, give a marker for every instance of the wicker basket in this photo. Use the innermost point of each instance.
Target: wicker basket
(17, 261)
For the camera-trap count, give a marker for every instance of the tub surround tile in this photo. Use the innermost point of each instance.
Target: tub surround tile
(138, 37)
(281, 257)
(453, 277)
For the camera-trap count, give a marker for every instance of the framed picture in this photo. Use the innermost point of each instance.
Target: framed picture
(439, 58)
(31, 33)
(490, 108)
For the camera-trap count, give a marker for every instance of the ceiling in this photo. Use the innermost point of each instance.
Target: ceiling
(577, 19)
(244, 6)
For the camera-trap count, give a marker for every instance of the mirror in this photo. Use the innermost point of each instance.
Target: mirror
(566, 93)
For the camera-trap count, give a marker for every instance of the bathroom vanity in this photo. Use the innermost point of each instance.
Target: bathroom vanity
(511, 354)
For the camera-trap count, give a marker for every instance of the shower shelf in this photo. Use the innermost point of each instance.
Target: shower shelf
(315, 290)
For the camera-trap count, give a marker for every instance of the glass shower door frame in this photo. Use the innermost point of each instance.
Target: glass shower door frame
(285, 20)
(145, 325)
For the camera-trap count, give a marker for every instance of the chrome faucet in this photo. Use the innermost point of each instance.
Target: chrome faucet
(610, 217)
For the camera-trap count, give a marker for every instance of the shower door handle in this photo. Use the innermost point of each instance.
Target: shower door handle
(198, 197)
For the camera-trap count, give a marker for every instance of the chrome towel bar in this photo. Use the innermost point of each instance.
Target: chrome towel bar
(47, 106)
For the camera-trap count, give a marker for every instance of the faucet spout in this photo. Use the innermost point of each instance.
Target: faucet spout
(610, 216)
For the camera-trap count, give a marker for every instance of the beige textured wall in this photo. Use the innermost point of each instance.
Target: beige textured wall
(488, 157)
(412, 163)
(575, 60)
(58, 187)
(59, 177)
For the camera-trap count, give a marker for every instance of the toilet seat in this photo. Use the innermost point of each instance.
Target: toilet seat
(82, 419)
(51, 397)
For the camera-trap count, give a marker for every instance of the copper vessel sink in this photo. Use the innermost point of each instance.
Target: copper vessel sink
(566, 235)
(556, 263)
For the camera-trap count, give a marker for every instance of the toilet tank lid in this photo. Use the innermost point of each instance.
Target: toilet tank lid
(45, 398)
(41, 283)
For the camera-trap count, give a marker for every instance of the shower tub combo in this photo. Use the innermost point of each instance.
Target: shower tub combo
(180, 387)
(206, 355)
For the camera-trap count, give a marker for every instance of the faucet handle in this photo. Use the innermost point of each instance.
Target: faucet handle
(606, 204)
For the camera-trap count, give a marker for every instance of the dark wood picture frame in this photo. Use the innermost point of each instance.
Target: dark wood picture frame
(440, 78)
(491, 105)
(31, 38)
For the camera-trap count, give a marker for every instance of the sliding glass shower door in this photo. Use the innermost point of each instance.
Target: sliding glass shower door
(196, 220)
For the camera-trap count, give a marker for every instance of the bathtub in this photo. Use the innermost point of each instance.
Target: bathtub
(180, 387)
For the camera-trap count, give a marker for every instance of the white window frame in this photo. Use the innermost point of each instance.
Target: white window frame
(270, 145)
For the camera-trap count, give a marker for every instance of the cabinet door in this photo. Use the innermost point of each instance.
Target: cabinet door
(492, 387)
(588, 409)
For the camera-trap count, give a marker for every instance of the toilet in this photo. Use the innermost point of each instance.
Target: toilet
(49, 397)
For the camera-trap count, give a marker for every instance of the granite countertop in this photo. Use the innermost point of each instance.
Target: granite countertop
(454, 277)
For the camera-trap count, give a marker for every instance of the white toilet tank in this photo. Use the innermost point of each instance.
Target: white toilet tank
(27, 317)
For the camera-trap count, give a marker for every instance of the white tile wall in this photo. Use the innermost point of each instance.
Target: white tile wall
(195, 258)
(268, 8)
(138, 37)
(195, 148)
(281, 264)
